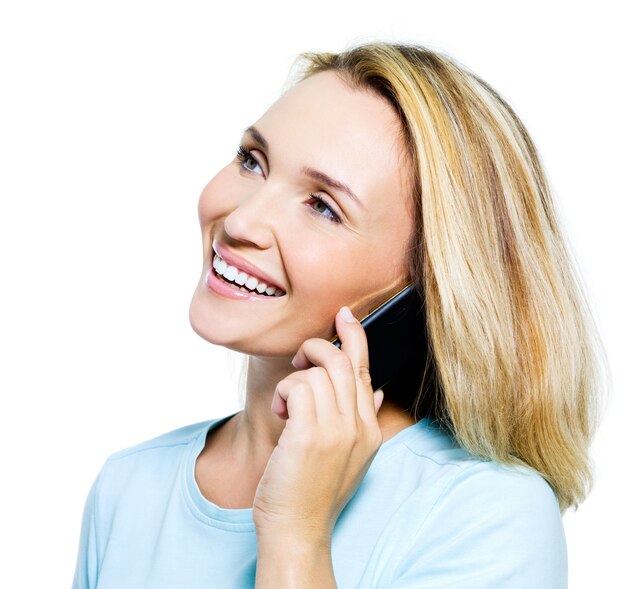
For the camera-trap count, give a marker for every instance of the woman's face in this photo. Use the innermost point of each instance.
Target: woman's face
(259, 207)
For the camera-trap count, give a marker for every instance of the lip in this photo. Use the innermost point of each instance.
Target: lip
(234, 260)
(220, 287)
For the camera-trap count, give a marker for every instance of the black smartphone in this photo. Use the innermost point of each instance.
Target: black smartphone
(396, 336)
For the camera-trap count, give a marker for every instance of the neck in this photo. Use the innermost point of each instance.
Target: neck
(253, 433)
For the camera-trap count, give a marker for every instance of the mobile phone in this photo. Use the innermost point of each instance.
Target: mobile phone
(396, 336)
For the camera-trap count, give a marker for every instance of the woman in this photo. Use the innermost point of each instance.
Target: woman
(381, 165)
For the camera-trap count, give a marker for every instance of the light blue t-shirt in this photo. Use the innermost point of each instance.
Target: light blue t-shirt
(426, 515)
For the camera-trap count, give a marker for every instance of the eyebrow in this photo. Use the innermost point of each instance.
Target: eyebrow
(310, 172)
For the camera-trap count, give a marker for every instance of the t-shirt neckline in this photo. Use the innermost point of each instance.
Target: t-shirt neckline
(240, 520)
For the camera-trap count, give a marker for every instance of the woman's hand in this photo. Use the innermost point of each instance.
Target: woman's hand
(329, 441)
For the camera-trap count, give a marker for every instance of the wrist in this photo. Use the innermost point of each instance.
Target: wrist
(280, 542)
(286, 560)
(309, 536)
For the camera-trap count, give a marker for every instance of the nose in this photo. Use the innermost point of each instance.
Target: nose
(253, 218)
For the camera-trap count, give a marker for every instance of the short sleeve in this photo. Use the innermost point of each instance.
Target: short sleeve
(86, 573)
(492, 528)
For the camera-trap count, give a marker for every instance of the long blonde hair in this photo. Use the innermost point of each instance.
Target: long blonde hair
(515, 362)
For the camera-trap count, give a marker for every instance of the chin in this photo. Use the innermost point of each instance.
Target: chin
(209, 326)
(223, 331)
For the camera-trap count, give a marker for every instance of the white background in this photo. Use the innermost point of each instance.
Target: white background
(113, 116)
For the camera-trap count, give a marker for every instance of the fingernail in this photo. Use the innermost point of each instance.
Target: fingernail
(347, 315)
(379, 397)
(299, 364)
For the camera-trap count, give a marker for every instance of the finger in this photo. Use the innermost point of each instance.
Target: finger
(354, 345)
(322, 353)
(293, 399)
(324, 395)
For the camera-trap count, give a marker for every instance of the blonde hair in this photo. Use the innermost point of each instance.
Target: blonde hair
(515, 360)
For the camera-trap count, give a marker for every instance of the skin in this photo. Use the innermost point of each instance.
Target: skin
(262, 210)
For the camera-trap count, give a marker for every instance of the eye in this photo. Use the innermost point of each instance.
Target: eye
(332, 216)
(245, 157)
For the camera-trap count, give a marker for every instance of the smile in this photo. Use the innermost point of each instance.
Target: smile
(246, 282)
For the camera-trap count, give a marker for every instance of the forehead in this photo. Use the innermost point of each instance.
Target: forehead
(352, 135)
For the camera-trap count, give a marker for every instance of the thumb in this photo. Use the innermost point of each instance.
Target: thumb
(378, 400)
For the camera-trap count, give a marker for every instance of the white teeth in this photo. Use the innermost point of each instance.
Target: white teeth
(232, 273)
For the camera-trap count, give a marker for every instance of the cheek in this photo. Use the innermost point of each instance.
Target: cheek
(319, 262)
(325, 279)
(215, 200)
(360, 278)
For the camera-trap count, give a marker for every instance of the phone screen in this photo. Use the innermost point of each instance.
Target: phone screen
(396, 336)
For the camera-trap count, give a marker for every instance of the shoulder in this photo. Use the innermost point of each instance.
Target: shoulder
(511, 501)
(181, 436)
(151, 464)
(484, 488)
(492, 521)
(462, 475)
